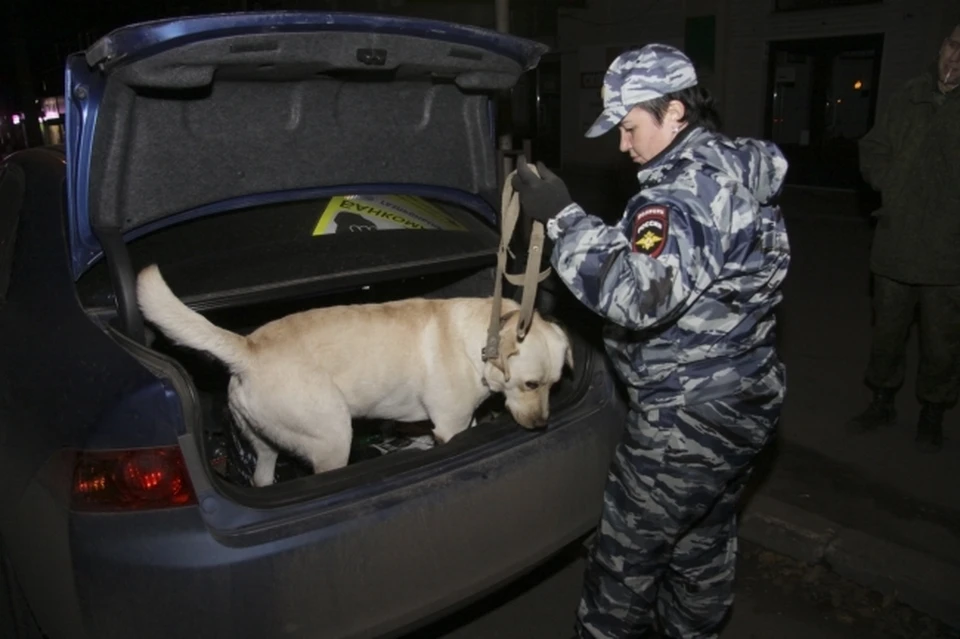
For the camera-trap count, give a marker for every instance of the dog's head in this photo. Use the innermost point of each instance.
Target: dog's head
(526, 370)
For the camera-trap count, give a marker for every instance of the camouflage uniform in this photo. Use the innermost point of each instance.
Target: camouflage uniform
(688, 281)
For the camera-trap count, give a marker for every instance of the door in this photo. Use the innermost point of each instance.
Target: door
(822, 100)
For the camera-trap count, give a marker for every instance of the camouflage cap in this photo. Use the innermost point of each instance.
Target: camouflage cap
(640, 75)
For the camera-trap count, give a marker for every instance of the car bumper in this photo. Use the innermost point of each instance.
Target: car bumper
(380, 571)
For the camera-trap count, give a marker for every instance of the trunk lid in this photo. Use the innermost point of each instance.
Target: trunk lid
(178, 118)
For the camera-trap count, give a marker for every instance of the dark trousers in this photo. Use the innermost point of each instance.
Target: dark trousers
(894, 306)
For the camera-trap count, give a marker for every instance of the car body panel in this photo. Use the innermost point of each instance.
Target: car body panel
(375, 567)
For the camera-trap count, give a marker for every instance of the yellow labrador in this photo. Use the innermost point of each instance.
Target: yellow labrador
(297, 382)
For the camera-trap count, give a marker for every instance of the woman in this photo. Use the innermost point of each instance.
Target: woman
(687, 281)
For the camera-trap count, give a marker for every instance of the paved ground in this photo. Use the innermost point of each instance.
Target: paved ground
(825, 324)
(778, 598)
(870, 506)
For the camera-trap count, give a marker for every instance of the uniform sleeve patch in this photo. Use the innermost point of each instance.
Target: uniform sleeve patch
(650, 230)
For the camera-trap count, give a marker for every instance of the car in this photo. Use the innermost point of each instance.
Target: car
(267, 162)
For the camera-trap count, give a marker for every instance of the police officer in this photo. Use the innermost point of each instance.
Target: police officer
(687, 281)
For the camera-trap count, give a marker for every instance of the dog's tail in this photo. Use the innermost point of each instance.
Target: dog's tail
(184, 325)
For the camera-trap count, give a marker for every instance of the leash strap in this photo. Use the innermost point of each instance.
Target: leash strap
(528, 280)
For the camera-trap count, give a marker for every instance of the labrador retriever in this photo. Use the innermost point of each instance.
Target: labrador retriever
(297, 382)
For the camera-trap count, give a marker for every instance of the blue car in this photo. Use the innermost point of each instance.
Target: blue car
(268, 163)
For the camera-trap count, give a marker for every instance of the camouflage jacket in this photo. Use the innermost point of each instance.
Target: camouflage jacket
(689, 278)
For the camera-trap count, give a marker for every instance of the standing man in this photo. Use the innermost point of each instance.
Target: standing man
(687, 281)
(912, 156)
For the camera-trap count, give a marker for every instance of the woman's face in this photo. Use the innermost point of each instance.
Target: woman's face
(643, 137)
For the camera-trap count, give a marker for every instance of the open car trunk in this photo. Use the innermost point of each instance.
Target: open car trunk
(270, 163)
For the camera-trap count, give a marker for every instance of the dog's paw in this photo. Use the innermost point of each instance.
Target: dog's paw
(263, 479)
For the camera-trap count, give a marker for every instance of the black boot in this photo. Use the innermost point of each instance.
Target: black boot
(930, 428)
(880, 412)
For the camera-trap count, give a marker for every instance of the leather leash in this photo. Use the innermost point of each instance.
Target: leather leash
(528, 280)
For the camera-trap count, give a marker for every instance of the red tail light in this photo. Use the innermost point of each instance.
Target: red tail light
(140, 479)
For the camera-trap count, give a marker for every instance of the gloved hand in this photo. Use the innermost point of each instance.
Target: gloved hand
(540, 197)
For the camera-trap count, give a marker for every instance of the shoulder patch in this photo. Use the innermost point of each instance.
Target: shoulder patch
(650, 227)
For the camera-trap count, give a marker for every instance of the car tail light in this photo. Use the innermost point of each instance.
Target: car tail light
(140, 479)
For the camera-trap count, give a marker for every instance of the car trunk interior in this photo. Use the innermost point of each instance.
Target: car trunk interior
(380, 448)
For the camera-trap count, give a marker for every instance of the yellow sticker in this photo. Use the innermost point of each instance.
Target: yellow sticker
(357, 213)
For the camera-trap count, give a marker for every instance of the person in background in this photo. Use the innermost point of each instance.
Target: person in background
(687, 282)
(911, 157)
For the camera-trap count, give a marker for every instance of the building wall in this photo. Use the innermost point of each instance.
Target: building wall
(912, 32)
(583, 38)
(911, 40)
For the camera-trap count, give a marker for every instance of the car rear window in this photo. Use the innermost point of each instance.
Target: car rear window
(331, 239)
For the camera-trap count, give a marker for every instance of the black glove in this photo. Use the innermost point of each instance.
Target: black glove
(540, 197)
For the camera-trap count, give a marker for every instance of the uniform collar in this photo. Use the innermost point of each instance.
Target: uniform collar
(653, 171)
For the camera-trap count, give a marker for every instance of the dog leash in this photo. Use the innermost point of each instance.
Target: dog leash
(528, 280)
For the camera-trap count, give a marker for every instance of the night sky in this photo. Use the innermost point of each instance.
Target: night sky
(52, 29)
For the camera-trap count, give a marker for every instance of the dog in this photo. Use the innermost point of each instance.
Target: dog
(297, 382)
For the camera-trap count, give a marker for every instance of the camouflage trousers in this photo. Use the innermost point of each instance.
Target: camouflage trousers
(895, 306)
(667, 541)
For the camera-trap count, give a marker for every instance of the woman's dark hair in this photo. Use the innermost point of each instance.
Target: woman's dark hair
(699, 105)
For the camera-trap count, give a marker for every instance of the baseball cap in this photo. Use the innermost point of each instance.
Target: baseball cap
(640, 75)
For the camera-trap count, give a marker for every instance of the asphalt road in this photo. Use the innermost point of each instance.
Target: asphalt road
(777, 598)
